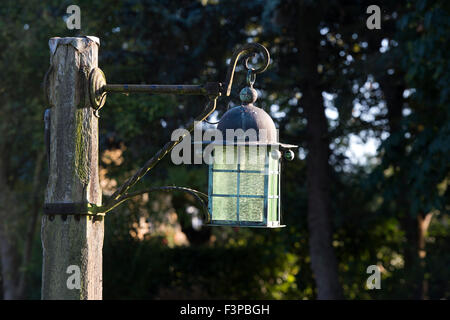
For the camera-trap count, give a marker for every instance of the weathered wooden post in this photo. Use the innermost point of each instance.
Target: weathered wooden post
(72, 241)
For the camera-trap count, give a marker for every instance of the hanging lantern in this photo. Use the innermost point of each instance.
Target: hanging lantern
(244, 175)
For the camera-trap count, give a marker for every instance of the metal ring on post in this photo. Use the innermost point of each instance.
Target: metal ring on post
(97, 92)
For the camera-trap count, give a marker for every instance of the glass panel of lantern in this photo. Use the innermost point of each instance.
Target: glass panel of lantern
(244, 185)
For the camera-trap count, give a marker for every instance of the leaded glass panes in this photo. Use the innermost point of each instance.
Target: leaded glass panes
(224, 208)
(251, 183)
(244, 192)
(251, 209)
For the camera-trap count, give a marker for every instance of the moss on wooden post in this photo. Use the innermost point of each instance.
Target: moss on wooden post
(73, 178)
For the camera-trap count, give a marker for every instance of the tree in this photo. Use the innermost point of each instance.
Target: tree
(417, 147)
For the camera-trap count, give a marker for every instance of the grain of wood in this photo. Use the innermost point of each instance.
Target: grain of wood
(74, 173)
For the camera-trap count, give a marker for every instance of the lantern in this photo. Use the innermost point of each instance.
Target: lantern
(244, 175)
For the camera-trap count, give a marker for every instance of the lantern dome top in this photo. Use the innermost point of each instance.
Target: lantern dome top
(247, 117)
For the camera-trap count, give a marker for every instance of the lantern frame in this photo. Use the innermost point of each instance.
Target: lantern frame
(265, 222)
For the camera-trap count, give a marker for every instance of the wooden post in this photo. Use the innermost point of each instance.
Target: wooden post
(72, 243)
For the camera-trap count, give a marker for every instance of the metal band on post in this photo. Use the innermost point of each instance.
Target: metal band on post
(73, 208)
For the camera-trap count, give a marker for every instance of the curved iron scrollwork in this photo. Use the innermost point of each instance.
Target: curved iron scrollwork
(246, 50)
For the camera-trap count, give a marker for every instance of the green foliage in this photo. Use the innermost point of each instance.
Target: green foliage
(157, 272)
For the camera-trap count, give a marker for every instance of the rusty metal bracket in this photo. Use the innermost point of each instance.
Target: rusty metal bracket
(98, 87)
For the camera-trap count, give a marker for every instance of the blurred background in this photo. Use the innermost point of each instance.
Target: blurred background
(369, 109)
